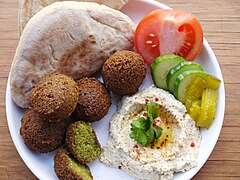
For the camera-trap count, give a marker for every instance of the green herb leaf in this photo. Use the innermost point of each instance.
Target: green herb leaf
(140, 122)
(158, 131)
(138, 128)
(142, 138)
(153, 110)
(150, 135)
(142, 130)
(133, 135)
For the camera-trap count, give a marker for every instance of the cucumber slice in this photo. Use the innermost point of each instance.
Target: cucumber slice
(161, 67)
(178, 69)
(186, 78)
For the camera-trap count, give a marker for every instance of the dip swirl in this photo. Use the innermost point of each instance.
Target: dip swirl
(175, 151)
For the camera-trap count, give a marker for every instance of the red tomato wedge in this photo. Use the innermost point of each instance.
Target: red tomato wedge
(168, 32)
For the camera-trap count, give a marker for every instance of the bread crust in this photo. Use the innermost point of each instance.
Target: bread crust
(28, 8)
(73, 38)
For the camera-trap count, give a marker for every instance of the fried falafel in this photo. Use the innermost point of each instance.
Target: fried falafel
(55, 96)
(124, 72)
(94, 100)
(39, 134)
(67, 168)
(82, 142)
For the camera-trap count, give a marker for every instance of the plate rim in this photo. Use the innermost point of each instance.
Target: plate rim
(194, 171)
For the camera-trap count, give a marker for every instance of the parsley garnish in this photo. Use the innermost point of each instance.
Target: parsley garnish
(142, 129)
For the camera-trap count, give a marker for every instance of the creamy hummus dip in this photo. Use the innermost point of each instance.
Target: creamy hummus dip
(175, 151)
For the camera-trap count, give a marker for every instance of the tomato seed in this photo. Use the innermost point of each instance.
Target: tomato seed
(151, 35)
(149, 42)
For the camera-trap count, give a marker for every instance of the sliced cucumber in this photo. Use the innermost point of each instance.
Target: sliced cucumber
(161, 67)
(186, 78)
(178, 69)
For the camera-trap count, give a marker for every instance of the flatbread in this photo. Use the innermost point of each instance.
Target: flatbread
(73, 38)
(28, 8)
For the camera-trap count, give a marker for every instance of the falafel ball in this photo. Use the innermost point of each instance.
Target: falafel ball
(82, 142)
(39, 134)
(67, 168)
(55, 96)
(124, 72)
(93, 101)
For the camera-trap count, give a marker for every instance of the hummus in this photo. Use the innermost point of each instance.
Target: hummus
(175, 151)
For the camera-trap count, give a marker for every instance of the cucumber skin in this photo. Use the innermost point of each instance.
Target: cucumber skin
(181, 94)
(185, 65)
(160, 59)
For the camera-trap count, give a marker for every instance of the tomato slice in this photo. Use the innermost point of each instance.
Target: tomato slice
(168, 32)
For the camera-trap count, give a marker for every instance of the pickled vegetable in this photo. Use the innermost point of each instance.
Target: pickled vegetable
(213, 82)
(208, 108)
(194, 91)
(195, 109)
(185, 79)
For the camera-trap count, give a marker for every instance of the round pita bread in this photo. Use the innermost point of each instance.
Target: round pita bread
(73, 38)
(28, 8)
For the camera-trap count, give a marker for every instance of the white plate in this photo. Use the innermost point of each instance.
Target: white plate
(42, 164)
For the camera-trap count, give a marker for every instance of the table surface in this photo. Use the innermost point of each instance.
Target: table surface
(220, 20)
